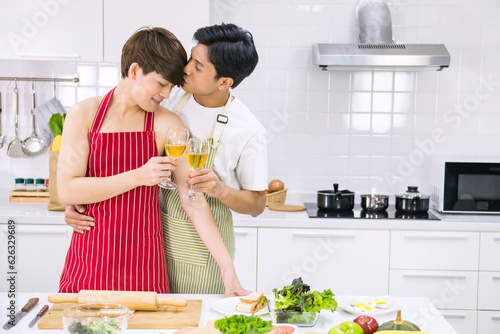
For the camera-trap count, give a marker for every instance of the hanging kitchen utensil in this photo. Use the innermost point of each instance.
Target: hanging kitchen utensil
(33, 145)
(2, 137)
(44, 112)
(15, 149)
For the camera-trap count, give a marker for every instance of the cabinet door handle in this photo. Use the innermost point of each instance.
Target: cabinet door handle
(240, 233)
(495, 318)
(44, 55)
(25, 230)
(322, 235)
(435, 237)
(434, 276)
(454, 316)
(495, 278)
(496, 239)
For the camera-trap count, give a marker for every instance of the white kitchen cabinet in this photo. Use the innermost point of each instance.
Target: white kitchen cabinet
(39, 256)
(445, 289)
(490, 252)
(464, 322)
(489, 291)
(434, 250)
(349, 262)
(52, 30)
(245, 257)
(488, 322)
(123, 18)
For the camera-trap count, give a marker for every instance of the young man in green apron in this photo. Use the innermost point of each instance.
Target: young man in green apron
(199, 237)
(235, 175)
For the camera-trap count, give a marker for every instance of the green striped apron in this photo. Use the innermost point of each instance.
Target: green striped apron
(190, 266)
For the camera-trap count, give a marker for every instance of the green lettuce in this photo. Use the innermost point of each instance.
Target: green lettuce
(297, 297)
(242, 324)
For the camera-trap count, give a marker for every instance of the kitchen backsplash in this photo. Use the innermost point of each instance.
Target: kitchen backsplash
(367, 131)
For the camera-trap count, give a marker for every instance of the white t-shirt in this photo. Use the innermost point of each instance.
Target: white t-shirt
(241, 159)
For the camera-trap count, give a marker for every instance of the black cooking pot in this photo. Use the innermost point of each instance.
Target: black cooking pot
(336, 200)
(412, 201)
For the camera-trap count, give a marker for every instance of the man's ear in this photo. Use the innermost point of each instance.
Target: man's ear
(225, 83)
(133, 70)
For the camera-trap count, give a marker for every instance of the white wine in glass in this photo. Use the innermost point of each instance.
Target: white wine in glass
(175, 145)
(197, 154)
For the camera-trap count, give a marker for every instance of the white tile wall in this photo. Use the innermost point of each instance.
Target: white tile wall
(369, 132)
(377, 130)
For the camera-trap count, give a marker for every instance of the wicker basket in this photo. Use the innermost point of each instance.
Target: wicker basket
(276, 198)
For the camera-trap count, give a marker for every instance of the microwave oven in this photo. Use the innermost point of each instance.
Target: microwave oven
(465, 185)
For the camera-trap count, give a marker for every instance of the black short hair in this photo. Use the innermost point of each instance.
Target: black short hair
(231, 50)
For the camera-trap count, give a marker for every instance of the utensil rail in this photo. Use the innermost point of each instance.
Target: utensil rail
(75, 79)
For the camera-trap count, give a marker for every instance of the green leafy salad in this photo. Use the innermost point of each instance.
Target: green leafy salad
(242, 324)
(298, 298)
(98, 327)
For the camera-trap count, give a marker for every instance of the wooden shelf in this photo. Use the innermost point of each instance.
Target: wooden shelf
(28, 196)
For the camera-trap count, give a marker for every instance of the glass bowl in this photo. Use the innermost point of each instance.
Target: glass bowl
(300, 319)
(93, 318)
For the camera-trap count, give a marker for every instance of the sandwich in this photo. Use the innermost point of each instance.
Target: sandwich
(252, 303)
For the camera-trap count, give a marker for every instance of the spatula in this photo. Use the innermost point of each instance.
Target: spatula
(15, 149)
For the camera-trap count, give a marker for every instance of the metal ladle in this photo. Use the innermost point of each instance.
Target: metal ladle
(15, 148)
(2, 137)
(33, 145)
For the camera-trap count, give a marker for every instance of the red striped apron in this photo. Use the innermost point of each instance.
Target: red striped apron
(125, 250)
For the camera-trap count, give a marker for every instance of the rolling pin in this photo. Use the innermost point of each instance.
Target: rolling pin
(135, 300)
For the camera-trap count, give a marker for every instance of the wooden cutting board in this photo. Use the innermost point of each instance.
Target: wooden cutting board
(166, 317)
(287, 208)
(208, 329)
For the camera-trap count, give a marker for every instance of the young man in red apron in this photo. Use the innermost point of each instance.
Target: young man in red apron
(235, 176)
(109, 161)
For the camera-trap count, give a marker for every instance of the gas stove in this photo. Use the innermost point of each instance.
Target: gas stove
(358, 213)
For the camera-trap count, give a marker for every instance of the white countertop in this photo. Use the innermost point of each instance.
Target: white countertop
(417, 310)
(37, 213)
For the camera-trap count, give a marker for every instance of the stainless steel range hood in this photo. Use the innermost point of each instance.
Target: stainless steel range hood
(398, 57)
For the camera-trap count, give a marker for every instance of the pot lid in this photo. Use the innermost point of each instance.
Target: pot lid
(341, 192)
(412, 192)
(336, 191)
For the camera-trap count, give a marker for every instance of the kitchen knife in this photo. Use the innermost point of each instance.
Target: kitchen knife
(38, 316)
(19, 315)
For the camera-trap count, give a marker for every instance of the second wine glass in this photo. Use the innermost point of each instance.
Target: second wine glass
(175, 145)
(196, 155)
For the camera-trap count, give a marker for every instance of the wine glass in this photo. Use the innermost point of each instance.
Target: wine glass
(175, 144)
(197, 154)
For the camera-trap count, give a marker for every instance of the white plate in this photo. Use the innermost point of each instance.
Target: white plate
(227, 306)
(345, 304)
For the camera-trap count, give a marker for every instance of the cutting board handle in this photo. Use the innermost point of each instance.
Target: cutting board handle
(63, 298)
(179, 302)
